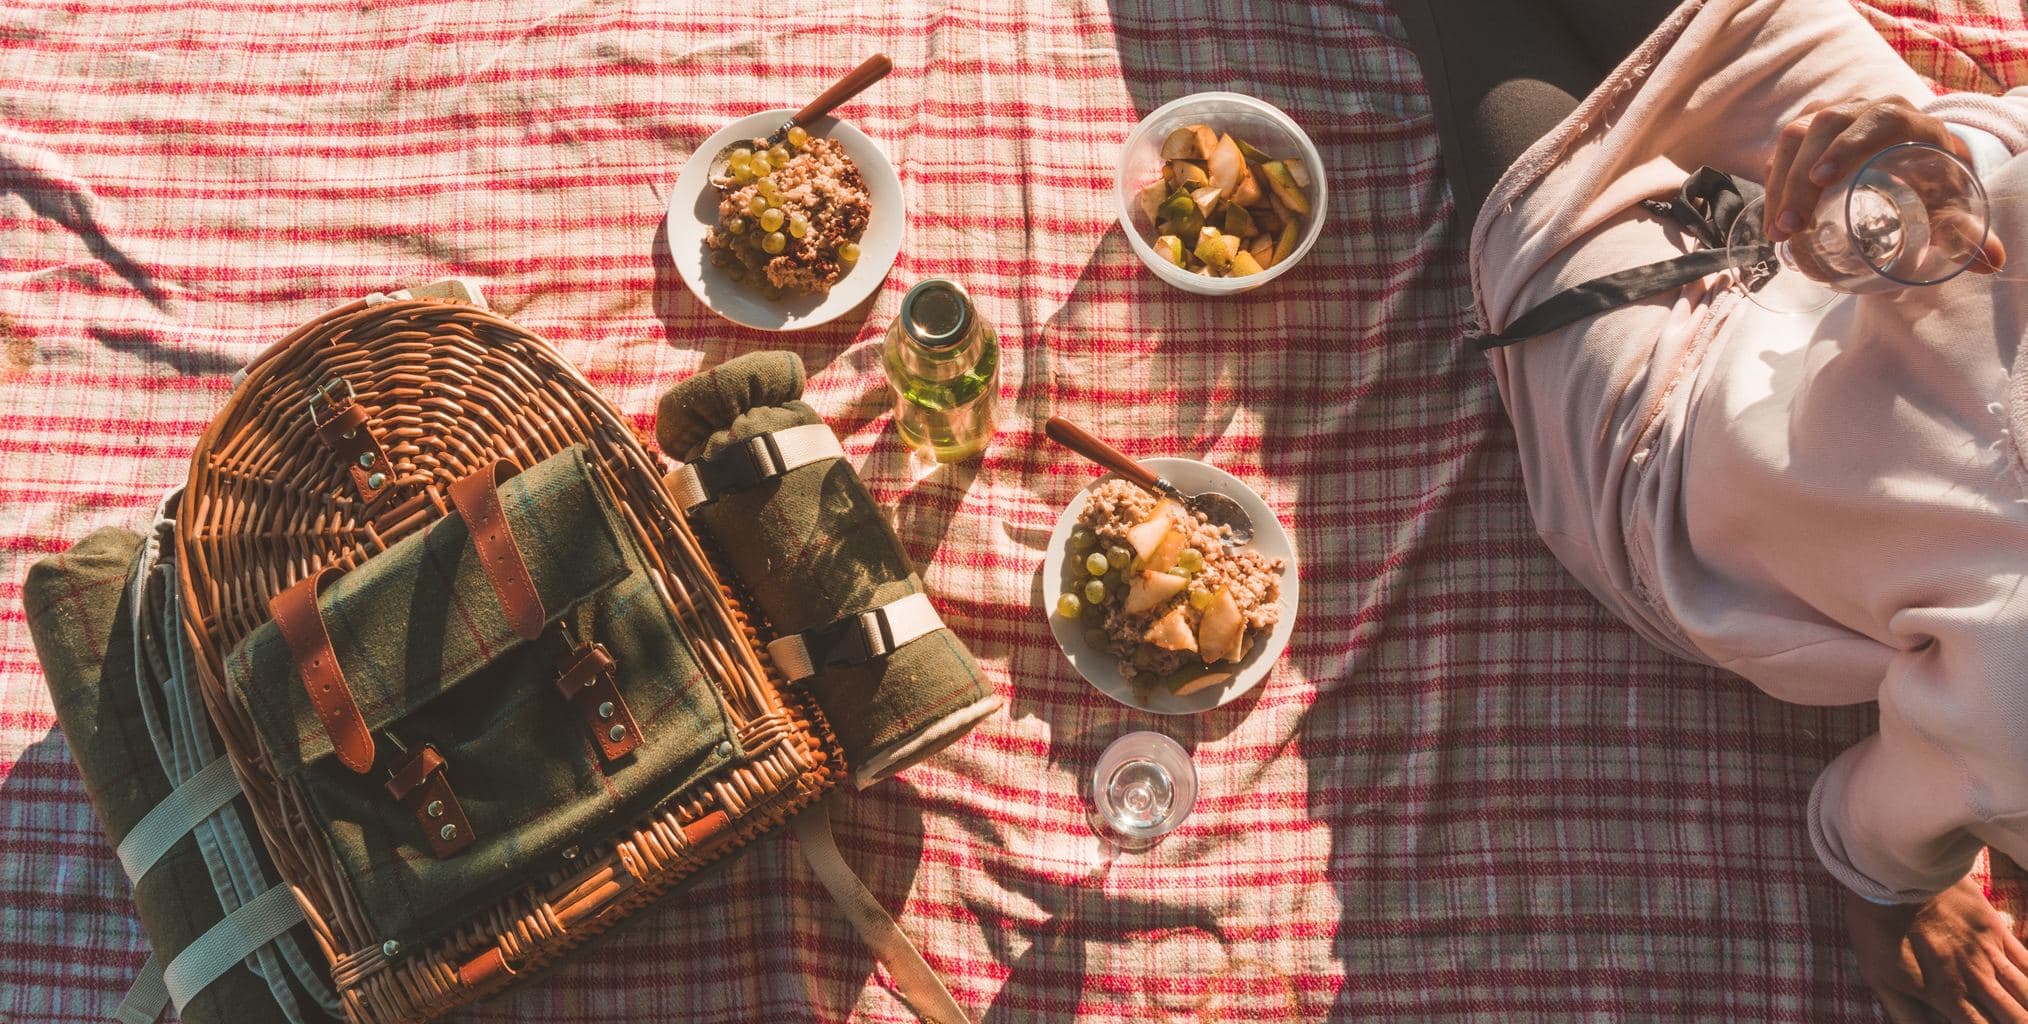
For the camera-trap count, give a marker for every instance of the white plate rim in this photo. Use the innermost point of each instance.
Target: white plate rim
(1101, 670)
(879, 246)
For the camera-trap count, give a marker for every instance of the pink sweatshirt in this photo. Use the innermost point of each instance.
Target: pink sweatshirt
(1833, 505)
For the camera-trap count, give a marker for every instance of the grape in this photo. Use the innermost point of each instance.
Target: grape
(742, 174)
(780, 156)
(1082, 540)
(849, 252)
(1095, 591)
(1200, 599)
(768, 189)
(797, 136)
(1192, 560)
(799, 226)
(1096, 564)
(774, 243)
(735, 225)
(771, 220)
(1119, 556)
(1068, 606)
(756, 206)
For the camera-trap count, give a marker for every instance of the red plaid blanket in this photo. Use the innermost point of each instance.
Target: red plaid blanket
(1465, 794)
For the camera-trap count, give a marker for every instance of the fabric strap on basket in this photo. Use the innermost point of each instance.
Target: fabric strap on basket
(915, 980)
(855, 639)
(251, 926)
(753, 461)
(1707, 207)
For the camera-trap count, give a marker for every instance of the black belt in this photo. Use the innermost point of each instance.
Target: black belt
(1707, 208)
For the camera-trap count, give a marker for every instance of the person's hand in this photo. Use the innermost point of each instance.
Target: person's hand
(1829, 142)
(1953, 958)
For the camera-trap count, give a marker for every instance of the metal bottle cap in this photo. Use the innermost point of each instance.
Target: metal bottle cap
(937, 313)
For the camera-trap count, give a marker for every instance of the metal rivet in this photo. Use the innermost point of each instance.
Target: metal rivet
(448, 833)
(617, 733)
(570, 853)
(390, 949)
(605, 709)
(365, 460)
(435, 809)
(725, 749)
(376, 481)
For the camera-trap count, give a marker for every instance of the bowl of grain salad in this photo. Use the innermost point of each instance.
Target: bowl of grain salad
(1160, 610)
(800, 234)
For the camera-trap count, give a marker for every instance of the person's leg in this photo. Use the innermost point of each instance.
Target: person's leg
(1501, 75)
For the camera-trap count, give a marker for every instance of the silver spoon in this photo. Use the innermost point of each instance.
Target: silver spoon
(1216, 508)
(872, 70)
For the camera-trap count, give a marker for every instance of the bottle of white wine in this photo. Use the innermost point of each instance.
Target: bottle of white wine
(944, 362)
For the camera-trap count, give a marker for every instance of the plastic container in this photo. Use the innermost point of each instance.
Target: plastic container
(1260, 124)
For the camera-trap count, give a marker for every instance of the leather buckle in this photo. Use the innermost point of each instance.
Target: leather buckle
(754, 461)
(341, 423)
(420, 785)
(585, 678)
(322, 399)
(852, 640)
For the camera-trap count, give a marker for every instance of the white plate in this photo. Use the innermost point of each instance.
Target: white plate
(1101, 669)
(693, 207)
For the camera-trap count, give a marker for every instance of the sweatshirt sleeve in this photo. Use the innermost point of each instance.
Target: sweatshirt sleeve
(1901, 815)
(2003, 118)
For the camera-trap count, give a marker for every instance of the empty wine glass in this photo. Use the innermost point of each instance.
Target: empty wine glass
(1913, 215)
(1141, 789)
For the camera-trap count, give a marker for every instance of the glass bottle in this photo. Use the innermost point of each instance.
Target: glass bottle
(944, 362)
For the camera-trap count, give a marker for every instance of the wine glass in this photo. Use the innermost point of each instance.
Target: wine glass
(1141, 789)
(1913, 215)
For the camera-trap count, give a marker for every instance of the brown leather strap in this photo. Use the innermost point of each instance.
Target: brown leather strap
(585, 678)
(477, 498)
(343, 429)
(301, 624)
(421, 785)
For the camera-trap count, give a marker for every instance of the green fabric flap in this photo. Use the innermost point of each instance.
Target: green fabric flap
(421, 617)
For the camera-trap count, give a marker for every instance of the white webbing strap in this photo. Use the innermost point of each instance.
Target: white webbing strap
(855, 638)
(199, 797)
(147, 998)
(914, 978)
(256, 923)
(746, 463)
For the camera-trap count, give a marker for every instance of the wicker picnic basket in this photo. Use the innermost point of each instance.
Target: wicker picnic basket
(446, 388)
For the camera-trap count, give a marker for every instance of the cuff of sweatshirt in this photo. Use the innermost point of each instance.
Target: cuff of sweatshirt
(2005, 118)
(1988, 152)
(1826, 796)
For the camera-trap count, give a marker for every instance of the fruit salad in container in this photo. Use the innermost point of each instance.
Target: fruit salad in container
(1164, 591)
(1222, 207)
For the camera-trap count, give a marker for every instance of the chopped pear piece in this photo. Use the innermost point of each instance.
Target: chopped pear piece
(1205, 198)
(1190, 142)
(1150, 589)
(1146, 535)
(1172, 632)
(1185, 174)
(1216, 250)
(1291, 234)
(1151, 198)
(1297, 171)
(1262, 249)
(1170, 248)
(1182, 215)
(1226, 165)
(1285, 187)
(1247, 192)
(1169, 551)
(1218, 634)
(1237, 220)
(1243, 264)
(1193, 684)
(1252, 155)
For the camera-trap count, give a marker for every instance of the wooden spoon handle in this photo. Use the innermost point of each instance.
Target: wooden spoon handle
(1075, 438)
(873, 70)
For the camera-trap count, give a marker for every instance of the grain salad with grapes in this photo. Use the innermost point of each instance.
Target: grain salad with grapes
(792, 215)
(1164, 591)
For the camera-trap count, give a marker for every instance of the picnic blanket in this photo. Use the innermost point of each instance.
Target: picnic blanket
(1466, 793)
